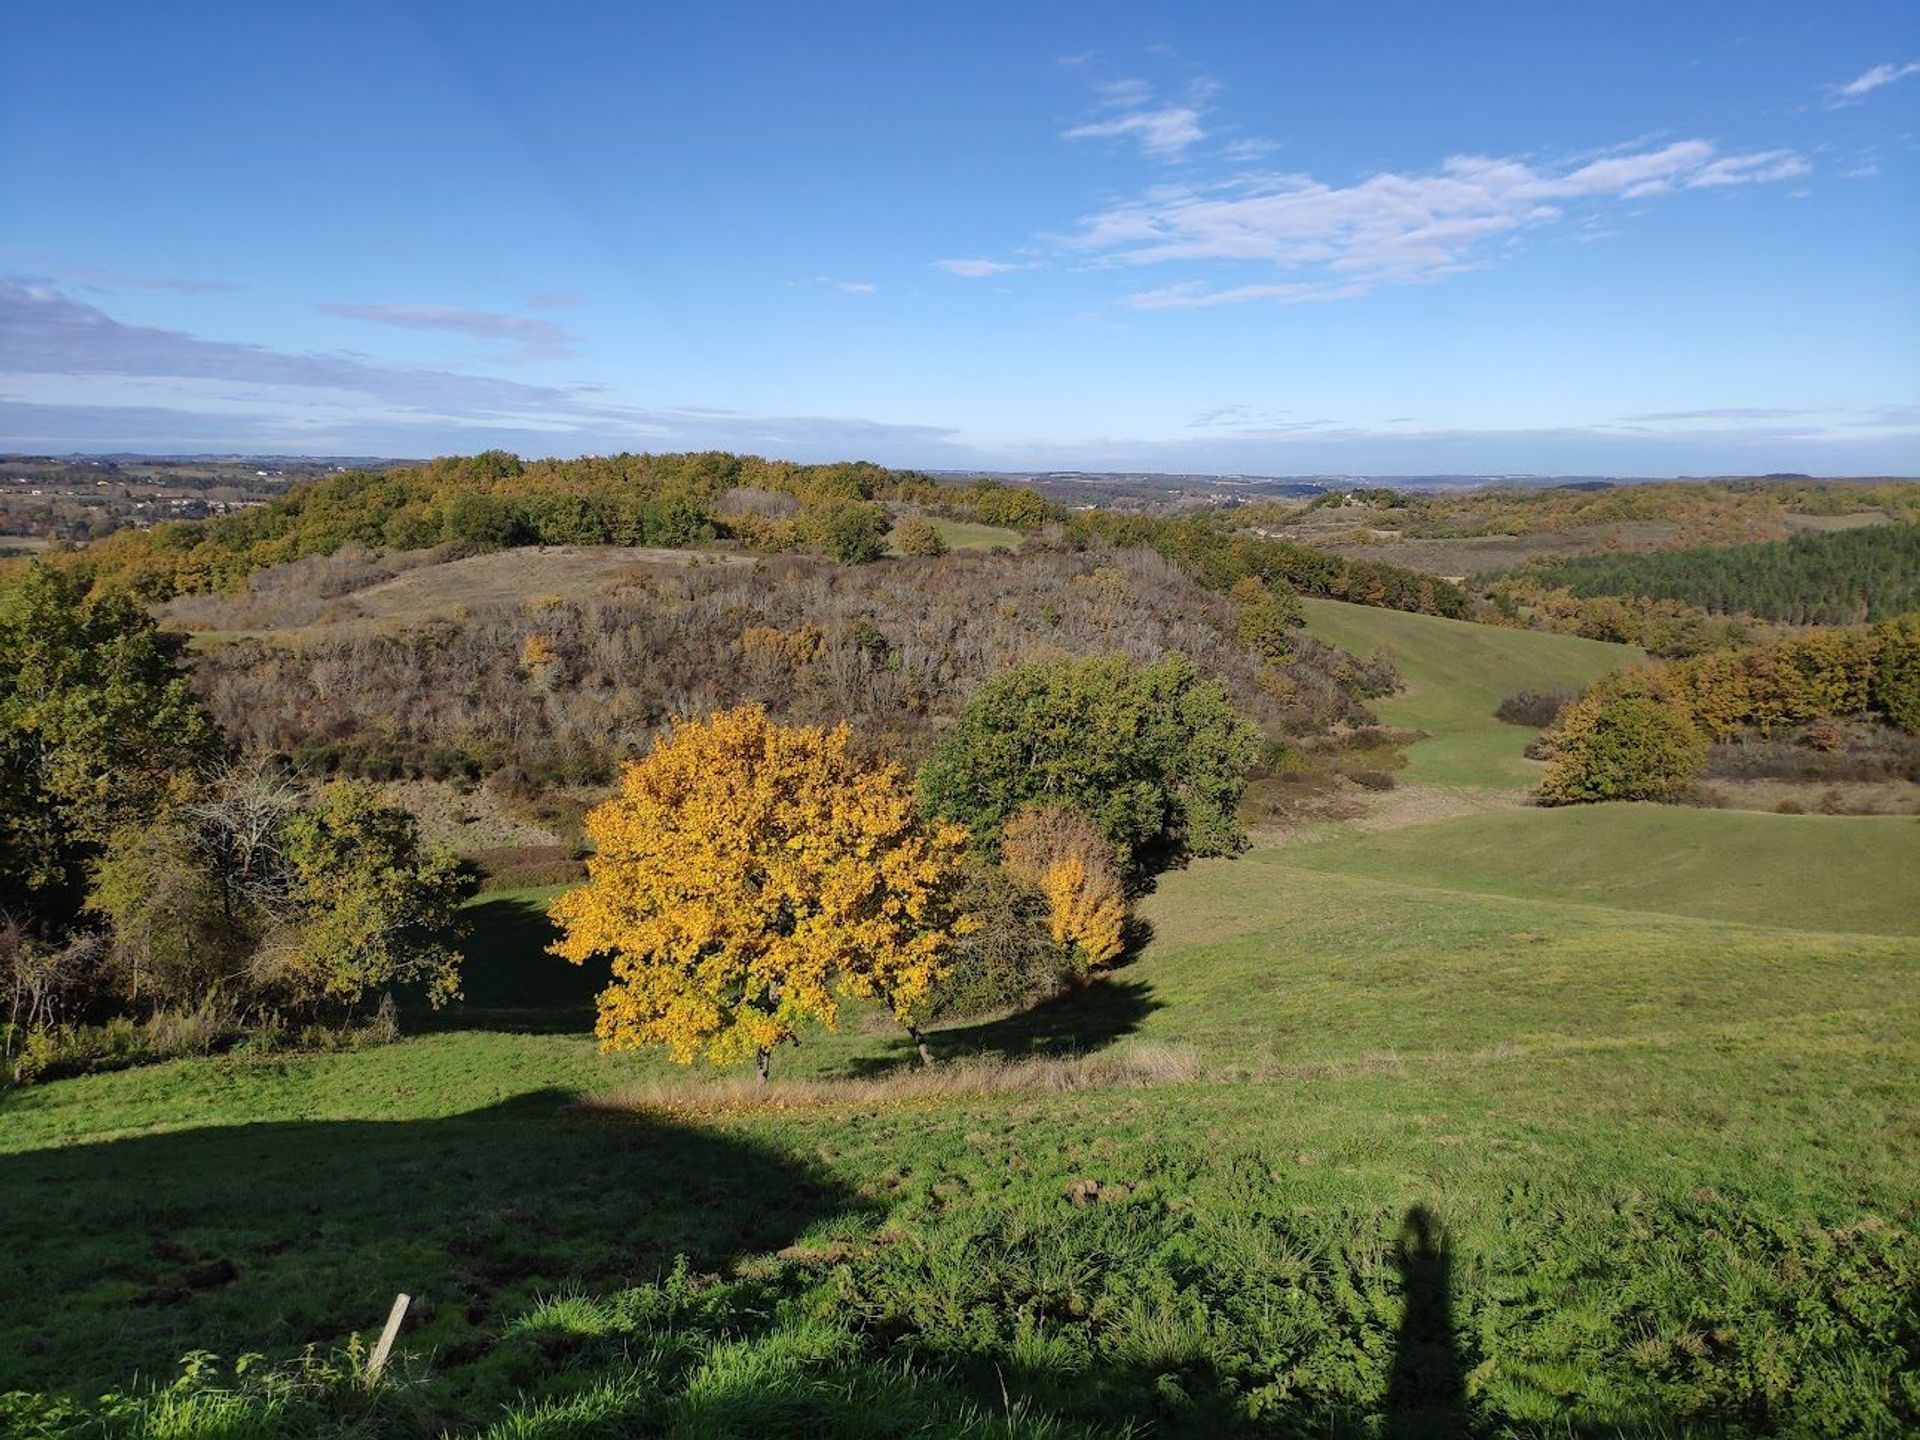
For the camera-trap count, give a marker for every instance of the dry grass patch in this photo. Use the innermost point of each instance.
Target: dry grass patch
(1129, 1066)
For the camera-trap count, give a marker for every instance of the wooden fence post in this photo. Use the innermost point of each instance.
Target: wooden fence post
(394, 1316)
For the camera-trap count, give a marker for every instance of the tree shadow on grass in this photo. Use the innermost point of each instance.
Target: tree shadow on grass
(1076, 1023)
(270, 1237)
(508, 981)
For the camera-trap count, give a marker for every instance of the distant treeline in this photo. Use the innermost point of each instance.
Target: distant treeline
(496, 500)
(1693, 512)
(1218, 557)
(1844, 577)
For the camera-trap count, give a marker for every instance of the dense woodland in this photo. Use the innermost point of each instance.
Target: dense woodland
(1838, 578)
(1696, 512)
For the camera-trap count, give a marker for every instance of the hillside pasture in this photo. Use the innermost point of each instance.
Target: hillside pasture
(1454, 673)
(1514, 1123)
(1633, 1123)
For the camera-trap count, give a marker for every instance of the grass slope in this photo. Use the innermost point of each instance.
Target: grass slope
(1798, 872)
(1455, 673)
(1571, 1123)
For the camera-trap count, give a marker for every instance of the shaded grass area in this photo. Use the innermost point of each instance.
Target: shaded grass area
(1455, 673)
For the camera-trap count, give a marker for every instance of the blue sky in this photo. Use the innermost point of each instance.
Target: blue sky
(1276, 239)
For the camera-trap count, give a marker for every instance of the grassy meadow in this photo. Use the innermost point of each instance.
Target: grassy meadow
(970, 535)
(1545, 1123)
(1453, 674)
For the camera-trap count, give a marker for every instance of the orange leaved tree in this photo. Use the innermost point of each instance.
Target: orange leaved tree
(1065, 855)
(749, 873)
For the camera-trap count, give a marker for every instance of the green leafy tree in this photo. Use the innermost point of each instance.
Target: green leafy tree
(176, 938)
(97, 729)
(368, 905)
(1621, 746)
(1266, 617)
(852, 534)
(1155, 756)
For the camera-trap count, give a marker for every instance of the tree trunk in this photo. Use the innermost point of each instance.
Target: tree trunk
(762, 1059)
(920, 1043)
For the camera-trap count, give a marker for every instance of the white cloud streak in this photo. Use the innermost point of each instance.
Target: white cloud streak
(977, 269)
(1164, 133)
(1339, 241)
(1866, 83)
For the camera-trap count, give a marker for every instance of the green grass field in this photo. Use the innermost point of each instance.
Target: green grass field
(1545, 1123)
(1454, 674)
(966, 535)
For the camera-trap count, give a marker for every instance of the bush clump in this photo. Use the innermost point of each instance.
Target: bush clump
(917, 535)
(1535, 709)
(1009, 959)
(1626, 746)
(1064, 853)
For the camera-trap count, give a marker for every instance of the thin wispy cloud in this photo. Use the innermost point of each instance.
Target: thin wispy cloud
(60, 358)
(860, 288)
(538, 339)
(1130, 110)
(115, 280)
(977, 269)
(1166, 132)
(1864, 84)
(1735, 412)
(552, 300)
(1335, 242)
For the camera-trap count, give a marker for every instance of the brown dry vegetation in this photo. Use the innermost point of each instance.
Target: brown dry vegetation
(1130, 1065)
(560, 689)
(354, 592)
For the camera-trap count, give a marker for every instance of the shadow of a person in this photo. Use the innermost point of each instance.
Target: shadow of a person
(1427, 1387)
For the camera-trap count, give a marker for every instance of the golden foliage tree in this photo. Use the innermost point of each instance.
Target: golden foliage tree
(749, 873)
(1063, 853)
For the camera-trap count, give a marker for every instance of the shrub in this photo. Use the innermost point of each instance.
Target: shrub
(177, 932)
(1896, 675)
(1267, 616)
(917, 535)
(1010, 958)
(1535, 709)
(1624, 746)
(1064, 853)
(851, 534)
(368, 906)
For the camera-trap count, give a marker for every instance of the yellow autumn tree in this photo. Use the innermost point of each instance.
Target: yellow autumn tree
(746, 876)
(1063, 853)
